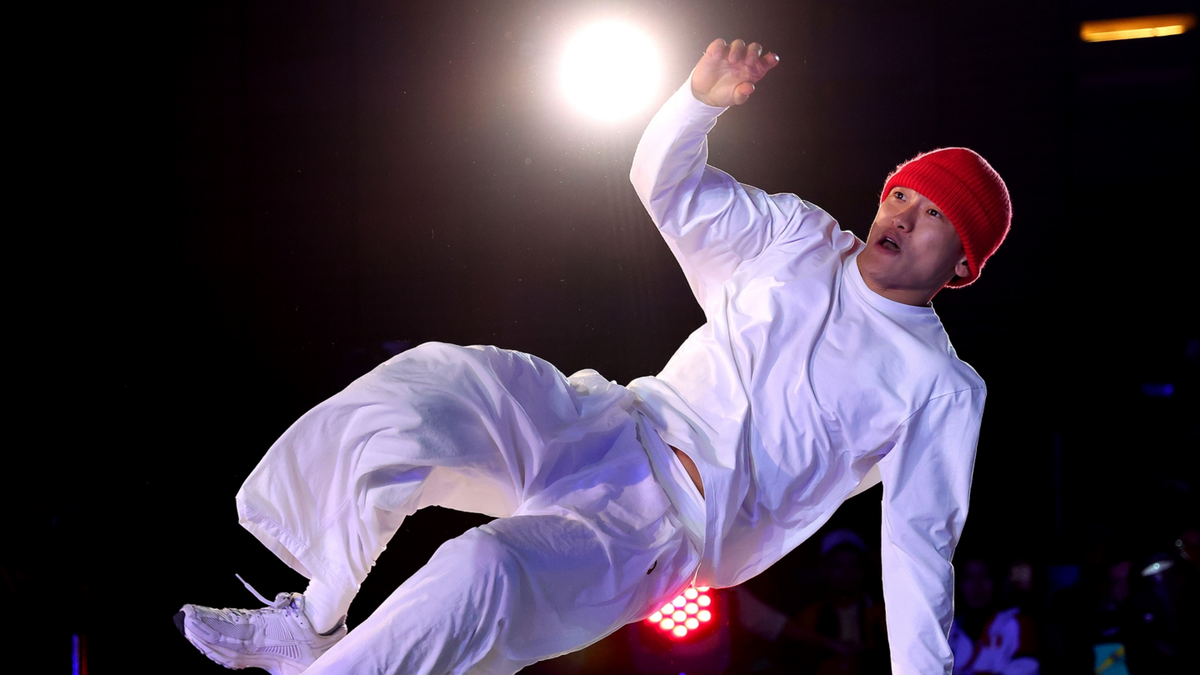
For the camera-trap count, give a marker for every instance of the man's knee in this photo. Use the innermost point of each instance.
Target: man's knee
(437, 354)
(481, 554)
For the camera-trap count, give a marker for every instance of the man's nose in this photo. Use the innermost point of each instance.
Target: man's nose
(906, 218)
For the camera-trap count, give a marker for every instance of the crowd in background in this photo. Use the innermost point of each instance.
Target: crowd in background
(1110, 608)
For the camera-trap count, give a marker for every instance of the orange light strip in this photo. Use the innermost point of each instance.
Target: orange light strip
(1136, 27)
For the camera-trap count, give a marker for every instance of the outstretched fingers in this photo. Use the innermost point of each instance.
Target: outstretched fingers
(748, 56)
(737, 51)
(727, 72)
(757, 62)
(717, 49)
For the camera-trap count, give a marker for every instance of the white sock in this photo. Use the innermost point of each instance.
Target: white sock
(326, 605)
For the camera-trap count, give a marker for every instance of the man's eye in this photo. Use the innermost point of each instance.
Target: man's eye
(935, 213)
(898, 194)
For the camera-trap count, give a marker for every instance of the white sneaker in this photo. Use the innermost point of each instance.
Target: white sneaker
(278, 638)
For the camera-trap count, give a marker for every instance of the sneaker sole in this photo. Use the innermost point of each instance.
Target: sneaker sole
(231, 659)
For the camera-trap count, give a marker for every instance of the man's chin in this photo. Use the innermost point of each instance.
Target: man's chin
(876, 262)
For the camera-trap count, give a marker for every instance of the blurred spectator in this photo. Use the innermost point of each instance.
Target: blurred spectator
(845, 629)
(1188, 546)
(1090, 620)
(989, 636)
(1165, 610)
(843, 632)
(1021, 589)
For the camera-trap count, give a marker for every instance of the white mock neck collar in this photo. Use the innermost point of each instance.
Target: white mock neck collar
(885, 305)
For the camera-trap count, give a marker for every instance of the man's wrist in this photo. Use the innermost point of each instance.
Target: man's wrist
(699, 96)
(695, 104)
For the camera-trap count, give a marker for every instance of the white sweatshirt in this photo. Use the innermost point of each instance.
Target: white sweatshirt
(801, 381)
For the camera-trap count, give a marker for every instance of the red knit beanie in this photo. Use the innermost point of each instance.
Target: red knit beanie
(969, 192)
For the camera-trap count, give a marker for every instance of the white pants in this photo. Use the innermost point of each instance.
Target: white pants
(585, 539)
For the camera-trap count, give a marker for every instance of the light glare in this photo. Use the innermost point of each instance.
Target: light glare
(1136, 27)
(610, 71)
(678, 618)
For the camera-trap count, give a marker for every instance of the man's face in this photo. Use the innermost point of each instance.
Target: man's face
(844, 571)
(976, 584)
(912, 250)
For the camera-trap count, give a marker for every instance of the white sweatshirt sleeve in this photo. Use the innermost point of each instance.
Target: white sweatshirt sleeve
(926, 487)
(710, 221)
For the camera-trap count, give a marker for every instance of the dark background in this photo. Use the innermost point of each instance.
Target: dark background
(232, 209)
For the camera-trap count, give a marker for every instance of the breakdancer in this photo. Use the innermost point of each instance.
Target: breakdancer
(821, 369)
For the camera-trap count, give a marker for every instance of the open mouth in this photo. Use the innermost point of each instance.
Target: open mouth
(890, 244)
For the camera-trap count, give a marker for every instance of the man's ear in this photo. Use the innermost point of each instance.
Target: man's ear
(962, 269)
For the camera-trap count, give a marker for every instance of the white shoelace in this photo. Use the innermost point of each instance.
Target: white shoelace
(282, 601)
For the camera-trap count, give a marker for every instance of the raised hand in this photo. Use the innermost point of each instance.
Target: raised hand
(726, 73)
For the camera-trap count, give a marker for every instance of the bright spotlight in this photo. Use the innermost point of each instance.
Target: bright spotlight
(680, 616)
(610, 71)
